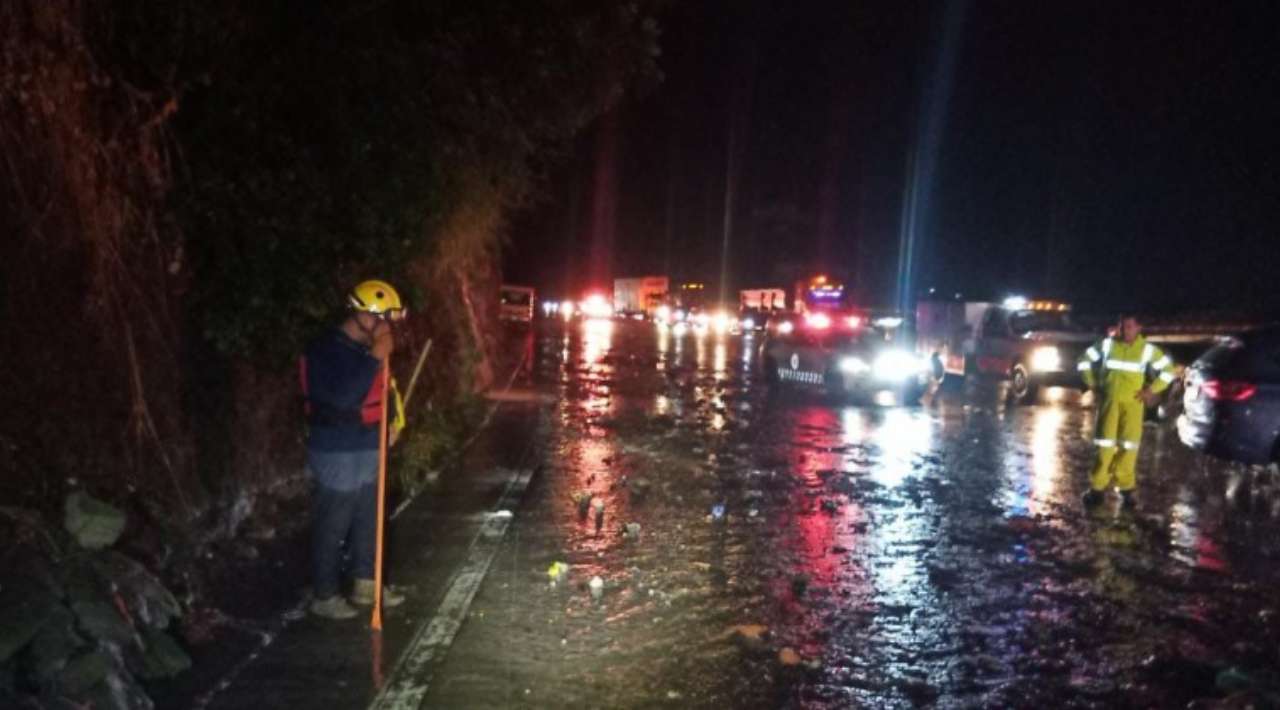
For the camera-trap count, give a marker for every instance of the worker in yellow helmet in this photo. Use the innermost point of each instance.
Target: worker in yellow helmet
(1127, 375)
(342, 381)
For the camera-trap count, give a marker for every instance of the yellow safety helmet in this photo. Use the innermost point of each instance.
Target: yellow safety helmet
(376, 297)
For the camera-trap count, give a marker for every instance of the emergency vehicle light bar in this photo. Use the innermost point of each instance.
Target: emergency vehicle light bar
(1021, 303)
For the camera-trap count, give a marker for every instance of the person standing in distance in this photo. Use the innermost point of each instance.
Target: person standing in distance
(341, 375)
(1127, 374)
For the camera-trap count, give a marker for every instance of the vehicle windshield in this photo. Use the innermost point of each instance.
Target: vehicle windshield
(515, 298)
(851, 338)
(1024, 322)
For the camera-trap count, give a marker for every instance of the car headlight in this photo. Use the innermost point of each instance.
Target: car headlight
(898, 365)
(853, 365)
(749, 323)
(1046, 359)
(785, 327)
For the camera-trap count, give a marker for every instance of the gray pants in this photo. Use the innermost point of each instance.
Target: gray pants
(339, 517)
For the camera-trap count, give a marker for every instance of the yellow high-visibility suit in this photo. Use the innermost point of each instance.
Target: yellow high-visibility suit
(1117, 371)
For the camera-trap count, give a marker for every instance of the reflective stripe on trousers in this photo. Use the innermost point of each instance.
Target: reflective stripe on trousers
(1119, 433)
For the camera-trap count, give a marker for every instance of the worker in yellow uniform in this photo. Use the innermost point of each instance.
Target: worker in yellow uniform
(1127, 374)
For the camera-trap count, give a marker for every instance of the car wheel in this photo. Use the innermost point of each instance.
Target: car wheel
(936, 370)
(910, 394)
(937, 373)
(1021, 389)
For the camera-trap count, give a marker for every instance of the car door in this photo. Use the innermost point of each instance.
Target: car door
(807, 358)
(792, 354)
(993, 342)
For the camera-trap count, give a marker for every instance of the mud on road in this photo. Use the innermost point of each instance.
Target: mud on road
(759, 549)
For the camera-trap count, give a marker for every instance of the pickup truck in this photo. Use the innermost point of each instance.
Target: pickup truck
(1032, 344)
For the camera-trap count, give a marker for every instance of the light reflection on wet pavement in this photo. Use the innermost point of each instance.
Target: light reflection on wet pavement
(926, 556)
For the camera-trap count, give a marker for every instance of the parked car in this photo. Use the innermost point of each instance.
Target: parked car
(1231, 402)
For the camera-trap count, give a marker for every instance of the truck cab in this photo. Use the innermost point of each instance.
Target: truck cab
(1031, 344)
(639, 296)
(820, 293)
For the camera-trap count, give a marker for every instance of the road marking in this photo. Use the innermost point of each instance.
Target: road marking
(407, 685)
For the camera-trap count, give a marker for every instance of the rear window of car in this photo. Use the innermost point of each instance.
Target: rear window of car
(1221, 355)
(1254, 359)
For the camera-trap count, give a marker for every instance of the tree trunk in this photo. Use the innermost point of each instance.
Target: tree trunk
(483, 377)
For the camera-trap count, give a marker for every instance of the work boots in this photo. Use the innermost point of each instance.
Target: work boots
(335, 607)
(1129, 499)
(362, 594)
(1091, 498)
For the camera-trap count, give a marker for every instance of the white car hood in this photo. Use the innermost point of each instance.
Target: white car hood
(1061, 336)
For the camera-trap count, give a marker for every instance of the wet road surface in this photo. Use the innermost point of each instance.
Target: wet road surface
(931, 556)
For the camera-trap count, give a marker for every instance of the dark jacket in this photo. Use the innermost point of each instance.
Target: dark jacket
(337, 375)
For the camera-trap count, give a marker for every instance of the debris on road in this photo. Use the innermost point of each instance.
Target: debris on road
(557, 571)
(631, 531)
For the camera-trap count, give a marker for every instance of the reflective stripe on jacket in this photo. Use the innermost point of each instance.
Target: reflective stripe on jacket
(1121, 369)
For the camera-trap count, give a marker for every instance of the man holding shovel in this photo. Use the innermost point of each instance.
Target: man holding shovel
(342, 376)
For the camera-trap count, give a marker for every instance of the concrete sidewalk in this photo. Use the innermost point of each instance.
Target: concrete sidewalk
(438, 550)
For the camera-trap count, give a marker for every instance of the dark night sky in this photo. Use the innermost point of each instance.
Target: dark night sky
(1117, 154)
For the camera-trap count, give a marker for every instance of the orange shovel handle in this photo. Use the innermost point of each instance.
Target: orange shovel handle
(376, 622)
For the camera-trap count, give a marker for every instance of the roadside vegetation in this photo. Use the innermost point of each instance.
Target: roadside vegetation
(187, 190)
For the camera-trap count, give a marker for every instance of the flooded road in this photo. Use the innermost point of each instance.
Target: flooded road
(764, 549)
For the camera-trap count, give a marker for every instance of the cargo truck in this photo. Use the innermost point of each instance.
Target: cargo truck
(516, 303)
(641, 295)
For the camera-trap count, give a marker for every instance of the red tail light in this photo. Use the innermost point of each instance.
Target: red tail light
(1228, 390)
